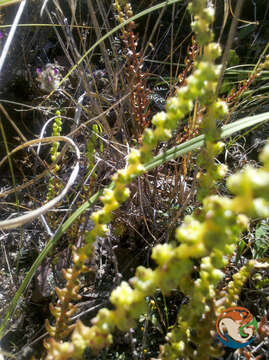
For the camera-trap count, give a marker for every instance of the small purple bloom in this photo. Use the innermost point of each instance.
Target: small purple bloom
(98, 74)
(38, 71)
(56, 71)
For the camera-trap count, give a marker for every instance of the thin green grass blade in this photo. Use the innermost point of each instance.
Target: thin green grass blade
(197, 142)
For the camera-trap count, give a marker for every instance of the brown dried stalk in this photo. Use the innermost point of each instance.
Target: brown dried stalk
(192, 52)
(139, 95)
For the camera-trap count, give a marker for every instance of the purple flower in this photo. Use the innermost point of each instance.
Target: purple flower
(38, 71)
(56, 71)
(98, 74)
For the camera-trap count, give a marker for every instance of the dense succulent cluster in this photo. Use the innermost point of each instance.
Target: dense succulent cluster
(208, 237)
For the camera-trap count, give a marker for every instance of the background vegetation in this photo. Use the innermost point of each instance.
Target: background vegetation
(61, 78)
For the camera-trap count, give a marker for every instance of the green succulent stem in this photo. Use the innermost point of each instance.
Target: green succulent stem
(53, 187)
(208, 238)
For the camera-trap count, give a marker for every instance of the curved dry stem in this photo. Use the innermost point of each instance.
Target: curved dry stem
(20, 220)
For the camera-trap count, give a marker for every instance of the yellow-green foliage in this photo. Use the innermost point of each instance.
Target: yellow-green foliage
(208, 238)
(56, 131)
(211, 237)
(91, 150)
